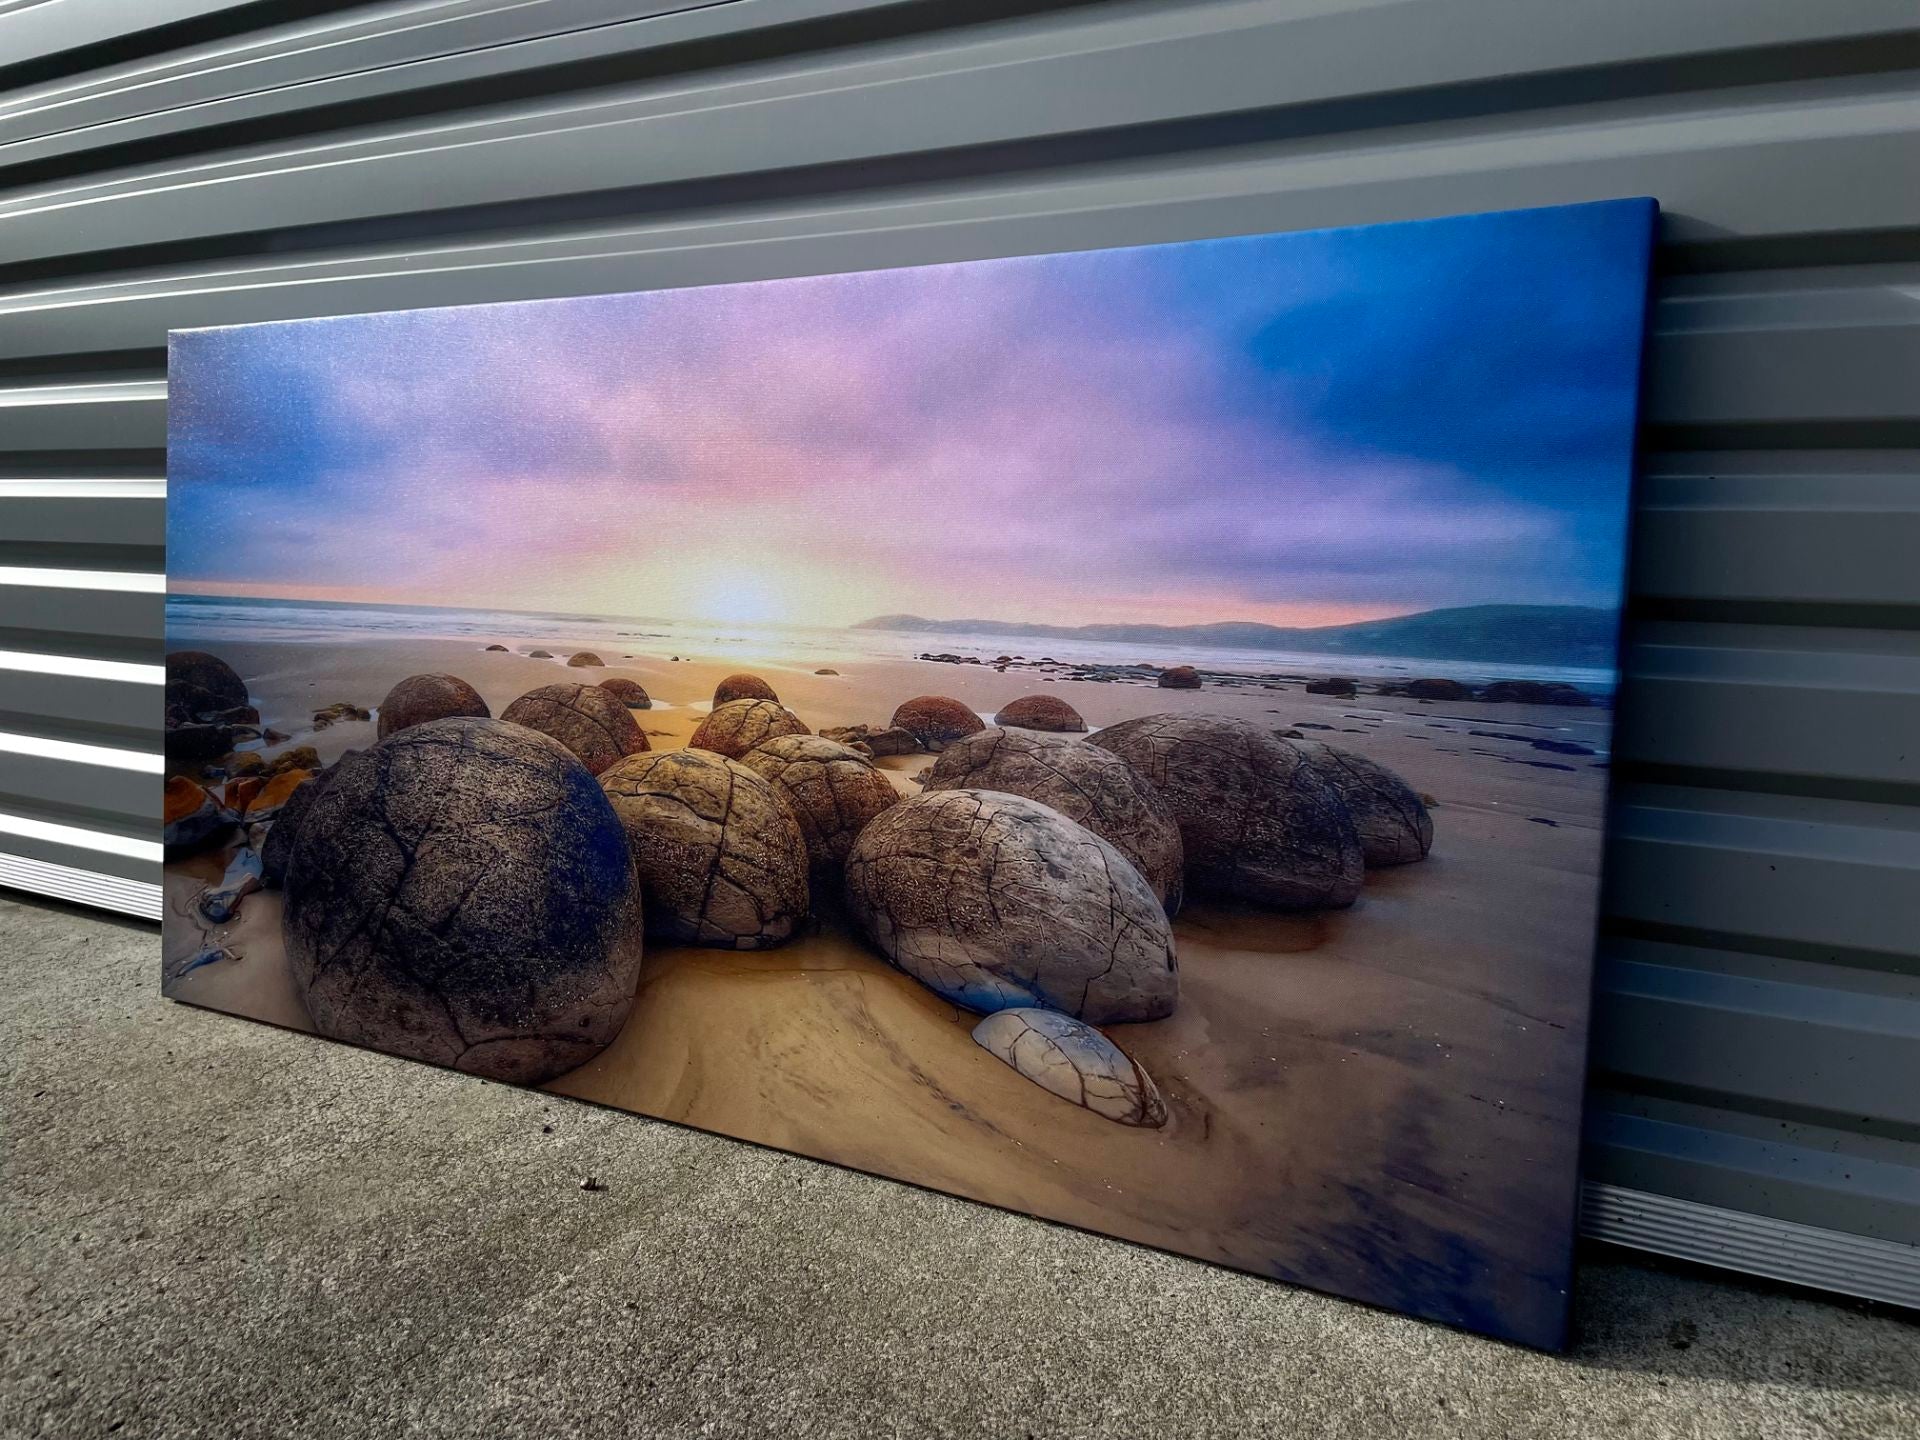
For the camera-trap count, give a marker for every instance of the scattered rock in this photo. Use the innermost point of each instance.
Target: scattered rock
(236, 793)
(1338, 685)
(539, 654)
(936, 720)
(501, 648)
(245, 762)
(877, 741)
(1180, 677)
(826, 672)
(272, 796)
(589, 721)
(420, 698)
(1089, 785)
(1437, 689)
(742, 687)
(191, 816)
(337, 712)
(583, 659)
(1256, 819)
(832, 789)
(736, 727)
(629, 693)
(1040, 712)
(461, 894)
(1393, 825)
(996, 901)
(1534, 692)
(1074, 1061)
(721, 858)
(300, 757)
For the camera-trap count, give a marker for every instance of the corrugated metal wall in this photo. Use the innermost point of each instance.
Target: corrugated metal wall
(173, 163)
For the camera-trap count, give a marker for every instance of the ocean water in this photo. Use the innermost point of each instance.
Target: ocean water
(210, 620)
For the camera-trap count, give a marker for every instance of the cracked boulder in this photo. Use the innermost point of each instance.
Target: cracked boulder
(461, 894)
(1088, 785)
(736, 727)
(936, 721)
(277, 848)
(630, 693)
(1392, 823)
(420, 698)
(589, 721)
(742, 687)
(1257, 822)
(996, 901)
(833, 791)
(1040, 712)
(721, 858)
(1074, 1061)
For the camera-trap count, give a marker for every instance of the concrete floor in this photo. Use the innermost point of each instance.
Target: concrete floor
(214, 1228)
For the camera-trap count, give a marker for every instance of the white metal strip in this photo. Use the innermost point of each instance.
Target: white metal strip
(130, 581)
(82, 667)
(83, 489)
(84, 887)
(149, 761)
(104, 841)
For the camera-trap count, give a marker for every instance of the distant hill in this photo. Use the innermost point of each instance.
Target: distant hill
(1503, 634)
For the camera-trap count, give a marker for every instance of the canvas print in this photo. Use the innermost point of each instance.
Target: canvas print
(1119, 735)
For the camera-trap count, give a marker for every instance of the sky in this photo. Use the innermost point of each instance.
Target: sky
(1303, 429)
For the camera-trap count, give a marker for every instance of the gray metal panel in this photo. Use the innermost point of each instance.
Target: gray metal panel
(1757, 989)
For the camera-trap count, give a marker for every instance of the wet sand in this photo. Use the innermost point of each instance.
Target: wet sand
(1383, 1102)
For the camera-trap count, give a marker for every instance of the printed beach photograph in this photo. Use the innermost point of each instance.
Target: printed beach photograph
(1121, 736)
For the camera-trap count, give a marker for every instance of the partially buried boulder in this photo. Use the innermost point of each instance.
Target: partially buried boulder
(1040, 712)
(1393, 825)
(1090, 786)
(630, 693)
(833, 791)
(720, 857)
(995, 901)
(1074, 1061)
(202, 684)
(1180, 677)
(420, 698)
(584, 659)
(501, 648)
(589, 721)
(936, 721)
(736, 727)
(1256, 820)
(742, 687)
(462, 894)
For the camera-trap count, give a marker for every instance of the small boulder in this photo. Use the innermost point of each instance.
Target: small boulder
(191, 816)
(501, 648)
(736, 727)
(742, 687)
(995, 901)
(461, 893)
(200, 684)
(721, 858)
(539, 654)
(936, 721)
(877, 741)
(1388, 816)
(1338, 685)
(1180, 677)
(826, 672)
(1040, 712)
(1534, 692)
(272, 796)
(587, 720)
(1074, 1061)
(245, 762)
(340, 710)
(584, 659)
(630, 693)
(1090, 786)
(832, 789)
(1438, 689)
(1256, 820)
(299, 757)
(235, 794)
(420, 698)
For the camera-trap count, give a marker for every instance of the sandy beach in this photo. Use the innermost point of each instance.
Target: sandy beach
(1381, 1101)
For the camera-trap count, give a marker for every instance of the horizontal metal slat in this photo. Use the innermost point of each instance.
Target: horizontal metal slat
(37, 31)
(114, 415)
(83, 884)
(124, 799)
(118, 623)
(83, 520)
(114, 711)
(1813, 872)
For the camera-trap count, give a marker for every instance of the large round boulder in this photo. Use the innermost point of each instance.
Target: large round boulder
(736, 727)
(720, 856)
(742, 687)
(589, 721)
(1257, 821)
(420, 698)
(1040, 712)
(630, 693)
(1088, 785)
(1388, 814)
(936, 721)
(832, 789)
(202, 684)
(996, 901)
(1180, 677)
(584, 660)
(461, 894)
(277, 849)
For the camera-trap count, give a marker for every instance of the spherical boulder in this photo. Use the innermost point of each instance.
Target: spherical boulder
(1088, 785)
(1040, 712)
(277, 848)
(742, 687)
(936, 721)
(630, 693)
(462, 894)
(1180, 677)
(583, 659)
(587, 720)
(833, 791)
(1257, 821)
(996, 901)
(736, 727)
(721, 859)
(420, 698)
(202, 684)
(1393, 825)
